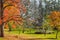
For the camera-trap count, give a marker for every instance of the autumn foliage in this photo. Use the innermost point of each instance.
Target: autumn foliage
(55, 19)
(12, 11)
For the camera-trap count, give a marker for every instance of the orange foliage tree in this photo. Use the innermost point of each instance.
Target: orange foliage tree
(12, 11)
(55, 19)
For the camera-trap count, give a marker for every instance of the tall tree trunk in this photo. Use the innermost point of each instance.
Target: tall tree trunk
(1, 15)
(1, 31)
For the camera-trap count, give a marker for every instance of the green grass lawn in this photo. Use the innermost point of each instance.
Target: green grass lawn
(34, 35)
(1, 38)
(27, 35)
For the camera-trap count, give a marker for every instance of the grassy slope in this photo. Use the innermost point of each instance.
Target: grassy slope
(1, 38)
(33, 35)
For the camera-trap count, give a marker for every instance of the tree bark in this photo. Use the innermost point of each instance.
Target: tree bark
(1, 31)
(1, 15)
